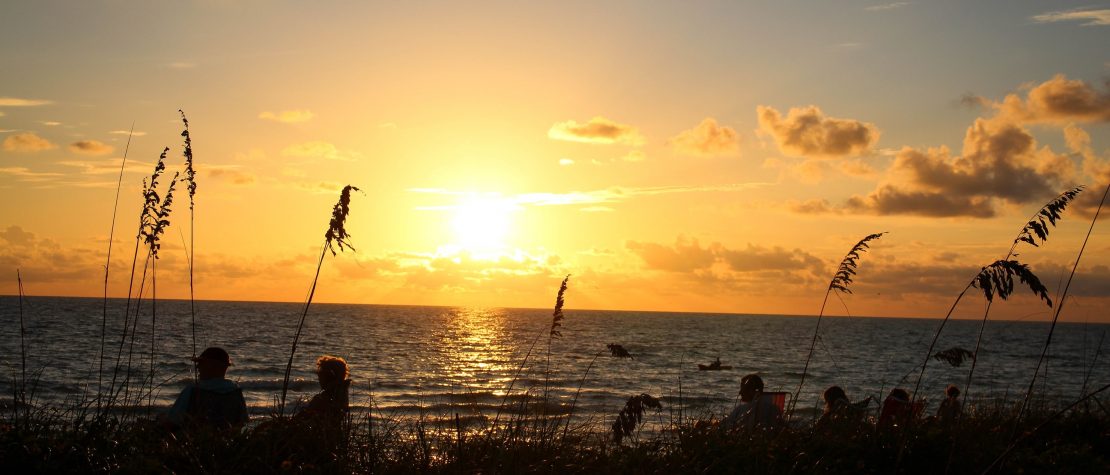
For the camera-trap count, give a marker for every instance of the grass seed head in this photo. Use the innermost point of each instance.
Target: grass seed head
(557, 315)
(337, 231)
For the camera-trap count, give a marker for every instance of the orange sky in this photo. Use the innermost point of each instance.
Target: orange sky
(719, 158)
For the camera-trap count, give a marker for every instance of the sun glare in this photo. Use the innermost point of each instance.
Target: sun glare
(482, 224)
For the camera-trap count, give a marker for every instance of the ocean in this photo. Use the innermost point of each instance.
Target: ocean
(434, 362)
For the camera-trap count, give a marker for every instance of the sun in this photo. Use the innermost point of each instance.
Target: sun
(482, 224)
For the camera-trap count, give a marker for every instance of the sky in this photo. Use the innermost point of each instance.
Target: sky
(672, 156)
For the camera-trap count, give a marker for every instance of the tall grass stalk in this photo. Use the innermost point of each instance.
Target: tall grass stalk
(556, 322)
(840, 282)
(556, 319)
(1060, 305)
(1035, 229)
(190, 252)
(336, 235)
(150, 201)
(22, 347)
(107, 265)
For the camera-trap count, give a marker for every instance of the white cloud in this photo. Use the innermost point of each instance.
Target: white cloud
(566, 162)
(127, 132)
(1087, 17)
(885, 6)
(17, 102)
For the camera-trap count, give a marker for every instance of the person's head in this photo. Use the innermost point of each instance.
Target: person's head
(750, 386)
(212, 363)
(331, 370)
(952, 391)
(899, 394)
(834, 393)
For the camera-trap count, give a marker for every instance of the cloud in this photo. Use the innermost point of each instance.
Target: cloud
(50, 123)
(108, 167)
(609, 195)
(17, 237)
(973, 101)
(813, 206)
(688, 256)
(27, 175)
(707, 139)
(805, 131)
(91, 147)
(1058, 100)
(320, 149)
(1087, 17)
(127, 132)
(634, 156)
(885, 6)
(229, 173)
(598, 130)
(288, 117)
(566, 162)
(1000, 162)
(17, 102)
(889, 200)
(27, 142)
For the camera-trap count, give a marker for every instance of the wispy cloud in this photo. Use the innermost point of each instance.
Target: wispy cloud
(127, 132)
(566, 162)
(598, 130)
(17, 102)
(320, 149)
(27, 175)
(885, 6)
(288, 117)
(594, 197)
(1085, 17)
(50, 123)
(107, 167)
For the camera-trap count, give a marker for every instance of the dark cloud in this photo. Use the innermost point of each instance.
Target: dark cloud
(889, 200)
(1000, 162)
(805, 131)
(598, 130)
(91, 147)
(687, 255)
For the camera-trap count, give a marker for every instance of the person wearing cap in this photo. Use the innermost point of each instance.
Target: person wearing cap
(212, 401)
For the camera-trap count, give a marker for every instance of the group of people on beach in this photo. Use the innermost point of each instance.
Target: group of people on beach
(215, 402)
(760, 410)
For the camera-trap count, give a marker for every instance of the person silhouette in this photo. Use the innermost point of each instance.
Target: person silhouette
(213, 401)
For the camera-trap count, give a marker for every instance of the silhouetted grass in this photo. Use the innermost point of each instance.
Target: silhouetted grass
(336, 235)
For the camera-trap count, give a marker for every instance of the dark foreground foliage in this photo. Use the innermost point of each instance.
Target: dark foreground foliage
(1078, 442)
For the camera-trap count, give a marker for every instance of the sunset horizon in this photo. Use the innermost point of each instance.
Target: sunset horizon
(704, 175)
